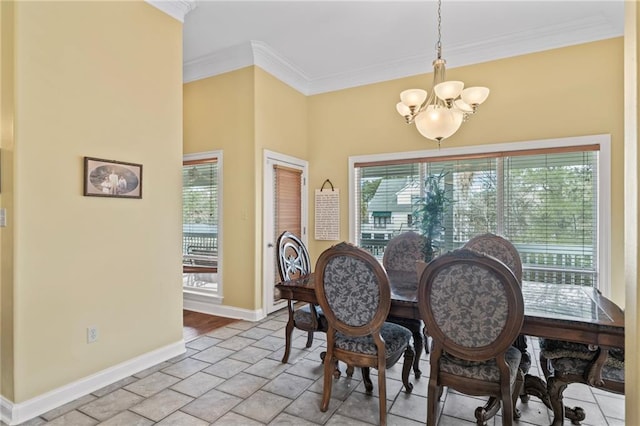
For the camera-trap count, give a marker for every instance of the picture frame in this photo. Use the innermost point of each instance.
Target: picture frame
(110, 178)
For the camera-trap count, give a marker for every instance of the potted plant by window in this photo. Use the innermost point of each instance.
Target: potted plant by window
(428, 214)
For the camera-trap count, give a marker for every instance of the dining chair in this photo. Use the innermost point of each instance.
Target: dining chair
(472, 305)
(293, 262)
(353, 291)
(400, 262)
(564, 362)
(502, 249)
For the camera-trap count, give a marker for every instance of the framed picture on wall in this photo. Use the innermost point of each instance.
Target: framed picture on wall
(110, 178)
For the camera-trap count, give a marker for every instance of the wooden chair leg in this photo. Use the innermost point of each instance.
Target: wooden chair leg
(433, 399)
(555, 388)
(382, 391)
(417, 345)
(328, 382)
(287, 337)
(406, 368)
(366, 378)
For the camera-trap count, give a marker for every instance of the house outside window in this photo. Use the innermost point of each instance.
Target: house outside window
(543, 196)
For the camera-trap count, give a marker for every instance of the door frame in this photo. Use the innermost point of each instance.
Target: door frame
(272, 158)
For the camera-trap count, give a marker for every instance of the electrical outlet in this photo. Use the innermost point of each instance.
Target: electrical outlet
(92, 334)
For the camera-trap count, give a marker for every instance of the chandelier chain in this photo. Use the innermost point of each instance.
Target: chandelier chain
(439, 43)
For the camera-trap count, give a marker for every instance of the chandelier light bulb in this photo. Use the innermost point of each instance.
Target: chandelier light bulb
(413, 97)
(437, 122)
(463, 106)
(475, 95)
(403, 110)
(448, 90)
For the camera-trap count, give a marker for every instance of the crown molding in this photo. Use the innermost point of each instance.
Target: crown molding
(525, 42)
(177, 9)
(273, 63)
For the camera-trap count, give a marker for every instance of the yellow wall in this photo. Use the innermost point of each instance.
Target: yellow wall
(553, 94)
(101, 79)
(632, 183)
(281, 126)
(242, 113)
(6, 198)
(219, 115)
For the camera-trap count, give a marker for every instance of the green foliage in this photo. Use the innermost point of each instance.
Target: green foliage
(428, 212)
(369, 189)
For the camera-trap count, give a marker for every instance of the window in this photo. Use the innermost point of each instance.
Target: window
(542, 196)
(200, 223)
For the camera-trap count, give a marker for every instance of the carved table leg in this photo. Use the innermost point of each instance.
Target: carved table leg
(535, 386)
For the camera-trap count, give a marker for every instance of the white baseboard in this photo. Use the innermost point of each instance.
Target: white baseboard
(13, 414)
(200, 304)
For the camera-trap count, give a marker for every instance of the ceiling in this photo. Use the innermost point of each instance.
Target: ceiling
(320, 46)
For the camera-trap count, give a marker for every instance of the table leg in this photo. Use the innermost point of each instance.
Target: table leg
(551, 395)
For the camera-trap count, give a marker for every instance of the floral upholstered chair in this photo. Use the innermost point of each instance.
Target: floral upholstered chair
(293, 262)
(472, 305)
(566, 362)
(503, 250)
(400, 262)
(500, 248)
(353, 290)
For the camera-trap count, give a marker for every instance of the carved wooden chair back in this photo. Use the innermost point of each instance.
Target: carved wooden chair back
(293, 257)
(293, 262)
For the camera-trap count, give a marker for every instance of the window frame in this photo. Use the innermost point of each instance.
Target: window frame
(604, 181)
(200, 296)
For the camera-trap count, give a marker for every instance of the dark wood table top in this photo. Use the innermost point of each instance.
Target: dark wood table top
(556, 311)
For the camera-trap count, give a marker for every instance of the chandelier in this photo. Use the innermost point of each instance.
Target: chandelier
(441, 114)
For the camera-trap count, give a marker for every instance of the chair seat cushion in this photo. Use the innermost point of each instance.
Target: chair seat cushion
(395, 338)
(579, 366)
(487, 371)
(304, 319)
(556, 349)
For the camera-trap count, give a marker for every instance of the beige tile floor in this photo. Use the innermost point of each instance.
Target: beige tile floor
(233, 376)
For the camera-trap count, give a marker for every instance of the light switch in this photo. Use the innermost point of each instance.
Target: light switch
(3, 217)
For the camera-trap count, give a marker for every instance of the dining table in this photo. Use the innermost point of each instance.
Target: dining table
(566, 312)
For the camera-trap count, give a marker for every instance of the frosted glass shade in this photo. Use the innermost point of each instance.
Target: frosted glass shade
(475, 95)
(463, 106)
(413, 97)
(448, 89)
(402, 109)
(438, 123)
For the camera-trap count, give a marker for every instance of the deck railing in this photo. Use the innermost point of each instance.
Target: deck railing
(558, 264)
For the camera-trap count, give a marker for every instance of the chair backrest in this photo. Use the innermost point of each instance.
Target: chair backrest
(293, 257)
(402, 251)
(471, 303)
(500, 248)
(400, 258)
(352, 289)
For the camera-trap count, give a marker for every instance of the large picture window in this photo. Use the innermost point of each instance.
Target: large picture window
(545, 200)
(200, 223)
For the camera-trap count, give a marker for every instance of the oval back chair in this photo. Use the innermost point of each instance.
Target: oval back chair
(353, 290)
(500, 248)
(472, 305)
(400, 262)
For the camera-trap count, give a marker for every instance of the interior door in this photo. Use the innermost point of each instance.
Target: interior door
(285, 209)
